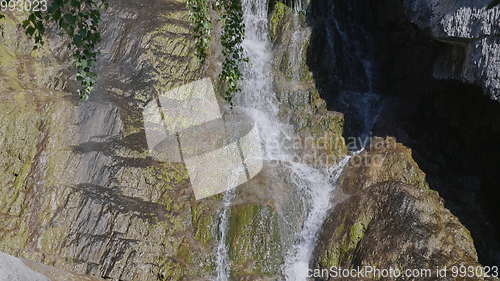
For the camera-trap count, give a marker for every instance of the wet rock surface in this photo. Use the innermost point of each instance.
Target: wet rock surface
(386, 216)
(80, 191)
(407, 44)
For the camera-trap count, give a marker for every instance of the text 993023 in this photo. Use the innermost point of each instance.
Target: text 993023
(23, 5)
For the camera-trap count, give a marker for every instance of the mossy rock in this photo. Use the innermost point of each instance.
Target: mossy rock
(384, 160)
(254, 240)
(277, 16)
(380, 226)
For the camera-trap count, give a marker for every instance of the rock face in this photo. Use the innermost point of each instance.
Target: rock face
(386, 216)
(472, 34)
(398, 226)
(301, 104)
(400, 46)
(79, 191)
(14, 269)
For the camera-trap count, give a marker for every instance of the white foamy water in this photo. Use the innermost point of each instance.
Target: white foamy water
(315, 186)
(223, 267)
(318, 186)
(259, 101)
(222, 260)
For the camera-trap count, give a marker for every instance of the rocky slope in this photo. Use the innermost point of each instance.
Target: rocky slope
(387, 216)
(434, 115)
(80, 192)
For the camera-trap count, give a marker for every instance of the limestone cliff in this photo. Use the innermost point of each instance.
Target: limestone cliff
(472, 33)
(79, 191)
(430, 85)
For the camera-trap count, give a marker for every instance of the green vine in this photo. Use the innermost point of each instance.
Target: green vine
(202, 26)
(79, 21)
(232, 36)
(231, 39)
(1, 17)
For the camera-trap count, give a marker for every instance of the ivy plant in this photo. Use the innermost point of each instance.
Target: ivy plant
(202, 26)
(233, 32)
(232, 37)
(78, 20)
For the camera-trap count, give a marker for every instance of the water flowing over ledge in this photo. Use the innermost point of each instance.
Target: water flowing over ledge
(315, 185)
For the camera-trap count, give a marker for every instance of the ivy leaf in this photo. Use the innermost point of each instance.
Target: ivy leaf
(30, 30)
(77, 20)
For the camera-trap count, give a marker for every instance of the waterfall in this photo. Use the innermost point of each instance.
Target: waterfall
(259, 101)
(222, 260)
(364, 106)
(314, 185)
(222, 269)
(318, 186)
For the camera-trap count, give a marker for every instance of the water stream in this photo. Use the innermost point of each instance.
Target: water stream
(315, 185)
(222, 260)
(364, 106)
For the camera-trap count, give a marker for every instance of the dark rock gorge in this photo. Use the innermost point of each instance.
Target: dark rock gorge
(435, 65)
(81, 198)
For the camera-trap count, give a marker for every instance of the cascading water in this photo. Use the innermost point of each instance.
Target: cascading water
(222, 269)
(365, 106)
(259, 101)
(317, 186)
(222, 263)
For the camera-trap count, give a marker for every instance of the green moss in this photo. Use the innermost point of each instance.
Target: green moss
(278, 14)
(356, 234)
(25, 169)
(394, 162)
(170, 270)
(241, 220)
(19, 133)
(348, 237)
(184, 253)
(202, 220)
(171, 54)
(331, 255)
(254, 240)
(241, 216)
